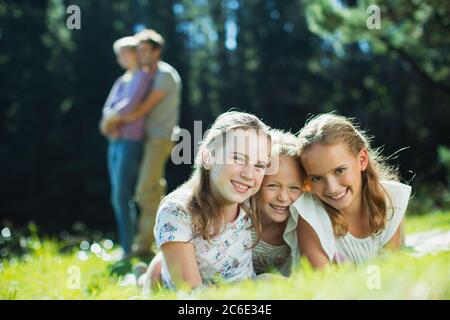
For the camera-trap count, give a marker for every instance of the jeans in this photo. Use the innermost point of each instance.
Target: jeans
(124, 157)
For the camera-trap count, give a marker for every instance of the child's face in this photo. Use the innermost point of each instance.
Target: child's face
(237, 167)
(334, 175)
(280, 190)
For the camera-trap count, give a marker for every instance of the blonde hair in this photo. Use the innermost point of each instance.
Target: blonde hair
(331, 129)
(125, 42)
(205, 212)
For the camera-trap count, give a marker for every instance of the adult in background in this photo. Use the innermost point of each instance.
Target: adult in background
(125, 142)
(161, 110)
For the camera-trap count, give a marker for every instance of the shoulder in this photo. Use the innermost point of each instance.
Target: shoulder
(174, 205)
(398, 193)
(309, 208)
(315, 219)
(166, 70)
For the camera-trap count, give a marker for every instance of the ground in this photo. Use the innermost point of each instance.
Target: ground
(420, 271)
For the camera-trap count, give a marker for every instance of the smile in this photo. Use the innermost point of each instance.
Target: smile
(240, 187)
(279, 209)
(339, 196)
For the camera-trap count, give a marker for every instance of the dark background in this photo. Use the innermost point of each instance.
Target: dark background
(281, 60)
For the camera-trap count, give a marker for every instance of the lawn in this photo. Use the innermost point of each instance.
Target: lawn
(45, 273)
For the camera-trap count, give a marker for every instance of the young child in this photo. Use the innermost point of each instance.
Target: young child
(356, 206)
(277, 246)
(203, 227)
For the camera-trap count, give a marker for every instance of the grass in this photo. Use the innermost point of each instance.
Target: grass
(45, 273)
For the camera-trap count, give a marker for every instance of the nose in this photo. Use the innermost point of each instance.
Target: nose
(283, 196)
(247, 172)
(331, 186)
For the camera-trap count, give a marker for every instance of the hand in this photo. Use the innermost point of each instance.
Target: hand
(113, 122)
(102, 127)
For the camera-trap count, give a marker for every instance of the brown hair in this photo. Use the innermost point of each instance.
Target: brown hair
(334, 129)
(203, 208)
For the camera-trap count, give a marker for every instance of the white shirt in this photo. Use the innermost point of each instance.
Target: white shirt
(347, 247)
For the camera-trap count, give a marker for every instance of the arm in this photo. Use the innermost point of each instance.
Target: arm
(155, 97)
(182, 264)
(136, 93)
(108, 110)
(164, 83)
(107, 107)
(396, 241)
(309, 245)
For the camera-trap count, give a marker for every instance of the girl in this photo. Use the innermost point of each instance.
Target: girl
(281, 186)
(356, 205)
(203, 228)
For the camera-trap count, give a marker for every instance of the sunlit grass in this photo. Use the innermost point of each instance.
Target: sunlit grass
(45, 273)
(439, 220)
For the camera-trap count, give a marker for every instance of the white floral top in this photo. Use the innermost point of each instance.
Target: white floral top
(227, 256)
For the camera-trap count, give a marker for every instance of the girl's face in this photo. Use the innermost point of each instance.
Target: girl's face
(237, 167)
(280, 190)
(127, 58)
(334, 175)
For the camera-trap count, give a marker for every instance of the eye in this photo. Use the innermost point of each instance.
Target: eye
(238, 159)
(316, 179)
(261, 166)
(295, 188)
(338, 171)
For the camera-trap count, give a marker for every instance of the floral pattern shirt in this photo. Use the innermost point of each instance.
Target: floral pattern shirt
(227, 256)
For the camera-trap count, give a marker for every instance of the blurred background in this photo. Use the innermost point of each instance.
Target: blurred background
(281, 60)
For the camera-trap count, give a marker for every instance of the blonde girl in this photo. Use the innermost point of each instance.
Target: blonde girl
(203, 227)
(282, 185)
(356, 204)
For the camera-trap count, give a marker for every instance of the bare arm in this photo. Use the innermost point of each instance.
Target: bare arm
(397, 239)
(182, 264)
(155, 97)
(309, 245)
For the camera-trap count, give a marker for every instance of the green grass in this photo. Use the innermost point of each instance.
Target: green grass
(438, 220)
(47, 274)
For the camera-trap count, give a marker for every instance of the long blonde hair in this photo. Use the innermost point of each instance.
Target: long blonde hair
(331, 129)
(204, 209)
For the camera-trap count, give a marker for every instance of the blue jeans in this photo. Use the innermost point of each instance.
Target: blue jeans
(124, 158)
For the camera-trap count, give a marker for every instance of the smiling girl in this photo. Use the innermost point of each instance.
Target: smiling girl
(280, 188)
(203, 228)
(356, 206)
(277, 246)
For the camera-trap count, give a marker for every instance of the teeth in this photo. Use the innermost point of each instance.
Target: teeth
(279, 208)
(240, 187)
(340, 195)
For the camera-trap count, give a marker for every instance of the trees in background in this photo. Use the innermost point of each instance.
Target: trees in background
(282, 60)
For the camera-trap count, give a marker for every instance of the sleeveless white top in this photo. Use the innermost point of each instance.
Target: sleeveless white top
(348, 248)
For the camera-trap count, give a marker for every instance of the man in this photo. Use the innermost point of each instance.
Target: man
(126, 142)
(162, 110)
